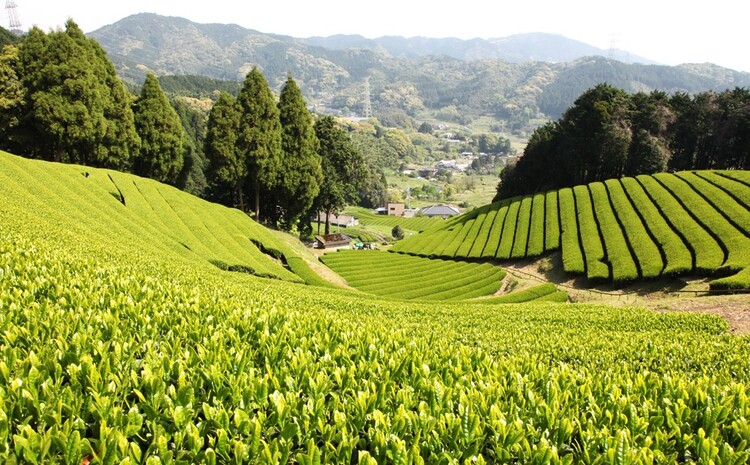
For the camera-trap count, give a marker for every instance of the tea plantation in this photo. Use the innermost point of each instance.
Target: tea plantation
(619, 230)
(122, 341)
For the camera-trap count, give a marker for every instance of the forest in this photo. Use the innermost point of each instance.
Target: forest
(609, 133)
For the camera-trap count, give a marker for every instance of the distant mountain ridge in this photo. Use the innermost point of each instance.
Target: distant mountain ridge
(405, 75)
(517, 48)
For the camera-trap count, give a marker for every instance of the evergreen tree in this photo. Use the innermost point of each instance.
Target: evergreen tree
(259, 136)
(227, 170)
(12, 95)
(343, 168)
(301, 170)
(76, 108)
(162, 138)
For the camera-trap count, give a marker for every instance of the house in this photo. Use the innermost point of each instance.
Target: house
(440, 211)
(332, 241)
(344, 221)
(395, 209)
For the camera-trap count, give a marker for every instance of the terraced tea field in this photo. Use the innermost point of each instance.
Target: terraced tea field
(121, 342)
(620, 230)
(405, 277)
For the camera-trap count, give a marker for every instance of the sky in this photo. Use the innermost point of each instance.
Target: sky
(669, 32)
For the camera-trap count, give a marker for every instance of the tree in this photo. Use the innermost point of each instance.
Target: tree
(12, 95)
(162, 138)
(259, 136)
(76, 109)
(343, 169)
(397, 232)
(227, 169)
(301, 163)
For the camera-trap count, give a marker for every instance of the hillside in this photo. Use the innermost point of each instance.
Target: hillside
(139, 216)
(404, 74)
(620, 230)
(120, 345)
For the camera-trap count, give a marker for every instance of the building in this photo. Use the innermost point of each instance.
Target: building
(344, 221)
(395, 209)
(440, 211)
(332, 241)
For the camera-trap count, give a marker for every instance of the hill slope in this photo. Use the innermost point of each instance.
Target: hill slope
(141, 217)
(116, 347)
(619, 230)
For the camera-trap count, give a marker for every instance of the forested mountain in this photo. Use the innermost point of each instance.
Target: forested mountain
(406, 75)
(517, 48)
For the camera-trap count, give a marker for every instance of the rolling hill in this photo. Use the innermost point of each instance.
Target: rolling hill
(540, 73)
(122, 343)
(620, 230)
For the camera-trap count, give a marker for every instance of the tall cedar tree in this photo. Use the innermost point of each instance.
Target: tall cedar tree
(259, 136)
(227, 171)
(343, 167)
(301, 170)
(77, 110)
(11, 102)
(162, 137)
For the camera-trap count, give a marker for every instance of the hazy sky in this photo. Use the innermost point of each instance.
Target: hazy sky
(670, 32)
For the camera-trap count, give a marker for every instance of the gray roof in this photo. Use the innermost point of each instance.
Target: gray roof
(440, 210)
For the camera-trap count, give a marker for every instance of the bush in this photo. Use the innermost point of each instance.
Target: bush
(397, 232)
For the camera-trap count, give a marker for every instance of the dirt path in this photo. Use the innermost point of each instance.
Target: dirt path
(665, 295)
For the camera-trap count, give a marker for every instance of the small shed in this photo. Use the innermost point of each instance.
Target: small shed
(332, 241)
(396, 209)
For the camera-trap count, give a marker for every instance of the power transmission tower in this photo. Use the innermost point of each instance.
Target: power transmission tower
(13, 21)
(366, 105)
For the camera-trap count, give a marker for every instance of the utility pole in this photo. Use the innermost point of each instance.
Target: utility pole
(366, 104)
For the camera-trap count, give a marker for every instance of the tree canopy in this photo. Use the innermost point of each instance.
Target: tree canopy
(259, 136)
(608, 133)
(162, 138)
(301, 172)
(344, 169)
(75, 108)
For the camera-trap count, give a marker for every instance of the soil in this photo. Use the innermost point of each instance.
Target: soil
(684, 294)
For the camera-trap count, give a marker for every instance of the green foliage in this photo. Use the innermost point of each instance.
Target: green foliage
(227, 169)
(76, 109)
(405, 277)
(121, 347)
(259, 136)
(162, 152)
(343, 167)
(620, 230)
(608, 133)
(301, 172)
(527, 295)
(397, 232)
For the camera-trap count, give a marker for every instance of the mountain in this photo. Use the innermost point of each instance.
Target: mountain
(515, 79)
(517, 48)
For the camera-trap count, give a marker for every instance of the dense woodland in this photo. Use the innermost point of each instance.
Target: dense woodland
(609, 133)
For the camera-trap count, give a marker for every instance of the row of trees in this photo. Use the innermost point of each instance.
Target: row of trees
(277, 156)
(61, 100)
(609, 133)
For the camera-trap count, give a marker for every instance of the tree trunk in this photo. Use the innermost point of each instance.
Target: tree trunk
(257, 203)
(241, 197)
(328, 222)
(317, 220)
